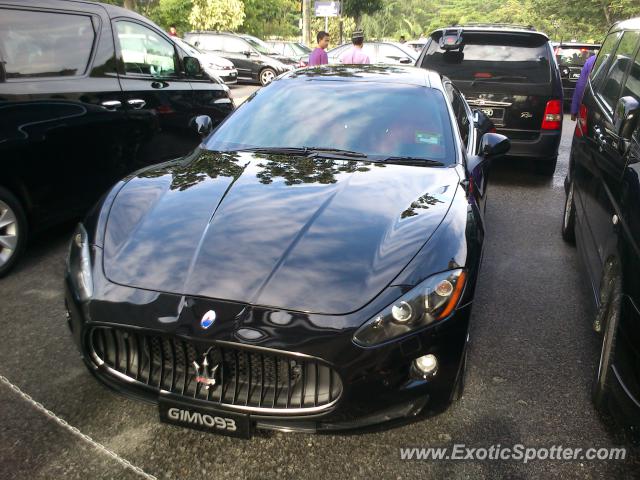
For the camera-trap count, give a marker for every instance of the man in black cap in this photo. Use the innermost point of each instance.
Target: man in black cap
(355, 55)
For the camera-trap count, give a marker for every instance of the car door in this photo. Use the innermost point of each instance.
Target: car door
(243, 57)
(603, 169)
(61, 137)
(158, 98)
(391, 54)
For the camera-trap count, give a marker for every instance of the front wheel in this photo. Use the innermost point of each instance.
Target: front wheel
(266, 76)
(13, 230)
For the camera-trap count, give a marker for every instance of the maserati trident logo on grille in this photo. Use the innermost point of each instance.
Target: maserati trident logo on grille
(205, 373)
(208, 319)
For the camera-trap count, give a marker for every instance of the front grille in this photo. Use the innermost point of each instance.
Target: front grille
(246, 378)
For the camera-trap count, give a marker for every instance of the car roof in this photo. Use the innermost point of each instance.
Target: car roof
(396, 74)
(578, 45)
(517, 29)
(630, 24)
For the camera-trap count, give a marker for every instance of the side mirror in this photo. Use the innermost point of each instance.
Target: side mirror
(625, 116)
(192, 66)
(405, 60)
(493, 145)
(202, 124)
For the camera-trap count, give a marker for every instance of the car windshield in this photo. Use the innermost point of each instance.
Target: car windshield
(186, 46)
(260, 46)
(571, 57)
(300, 49)
(504, 58)
(378, 119)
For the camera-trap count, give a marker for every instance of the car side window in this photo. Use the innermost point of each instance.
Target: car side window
(609, 89)
(235, 45)
(462, 118)
(389, 51)
(45, 44)
(210, 42)
(597, 72)
(144, 51)
(632, 85)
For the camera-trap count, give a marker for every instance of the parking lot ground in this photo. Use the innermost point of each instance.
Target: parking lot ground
(530, 366)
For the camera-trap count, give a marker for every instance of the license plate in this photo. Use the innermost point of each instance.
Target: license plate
(179, 413)
(495, 114)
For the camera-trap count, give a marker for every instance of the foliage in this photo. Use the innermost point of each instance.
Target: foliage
(357, 8)
(266, 18)
(217, 14)
(172, 12)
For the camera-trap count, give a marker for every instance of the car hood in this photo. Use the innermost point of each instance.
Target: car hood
(303, 234)
(208, 58)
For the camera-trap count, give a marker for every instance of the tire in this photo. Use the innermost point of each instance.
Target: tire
(609, 316)
(546, 167)
(569, 217)
(13, 230)
(266, 76)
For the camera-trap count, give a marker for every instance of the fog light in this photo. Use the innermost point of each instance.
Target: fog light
(426, 365)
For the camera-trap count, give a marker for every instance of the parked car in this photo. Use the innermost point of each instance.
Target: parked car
(388, 53)
(254, 59)
(510, 73)
(295, 272)
(601, 215)
(571, 57)
(88, 93)
(296, 50)
(216, 67)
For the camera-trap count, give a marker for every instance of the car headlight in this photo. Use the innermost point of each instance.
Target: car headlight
(79, 263)
(432, 300)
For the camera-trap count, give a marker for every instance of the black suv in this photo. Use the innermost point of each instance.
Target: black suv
(254, 59)
(602, 215)
(571, 57)
(88, 93)
(510, 73)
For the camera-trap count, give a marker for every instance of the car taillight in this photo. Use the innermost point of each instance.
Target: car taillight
(581, 123)
(552, 119)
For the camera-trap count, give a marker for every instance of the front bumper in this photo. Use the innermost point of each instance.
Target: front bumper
(377, 383)
(542, 146)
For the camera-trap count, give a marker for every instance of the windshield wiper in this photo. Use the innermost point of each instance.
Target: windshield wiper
(414, 161)
(501, 77)
(306, 151)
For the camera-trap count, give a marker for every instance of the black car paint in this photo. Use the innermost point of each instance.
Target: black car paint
(61, 148)
(605, 171)
(523, 104)
(414, 240)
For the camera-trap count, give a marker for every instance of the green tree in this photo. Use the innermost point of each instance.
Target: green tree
(172, 12)
(266, 18)
(357, 8)
(216, 14)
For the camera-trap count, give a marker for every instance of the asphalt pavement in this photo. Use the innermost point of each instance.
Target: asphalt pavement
(532, 358)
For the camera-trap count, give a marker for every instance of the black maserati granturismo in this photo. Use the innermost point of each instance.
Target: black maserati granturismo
(310, 266)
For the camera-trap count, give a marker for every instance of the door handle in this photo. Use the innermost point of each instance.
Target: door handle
(159, 84)
(111, 105)
(600, 138)
(136, 103)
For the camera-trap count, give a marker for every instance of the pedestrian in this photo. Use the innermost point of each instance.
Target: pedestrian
(319, 55)
(173, 31)
(580, 86)
(402, 39)
(355, 55)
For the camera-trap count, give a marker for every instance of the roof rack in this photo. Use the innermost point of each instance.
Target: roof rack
(497, 25)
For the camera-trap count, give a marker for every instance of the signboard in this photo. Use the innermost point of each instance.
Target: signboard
(325, 8)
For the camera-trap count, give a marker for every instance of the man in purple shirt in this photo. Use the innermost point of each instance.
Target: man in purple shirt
(580, 86)
(319, 56)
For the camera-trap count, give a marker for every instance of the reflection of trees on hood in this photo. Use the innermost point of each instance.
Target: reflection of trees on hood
(299, 170)
(202, 166)
(424, 202)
